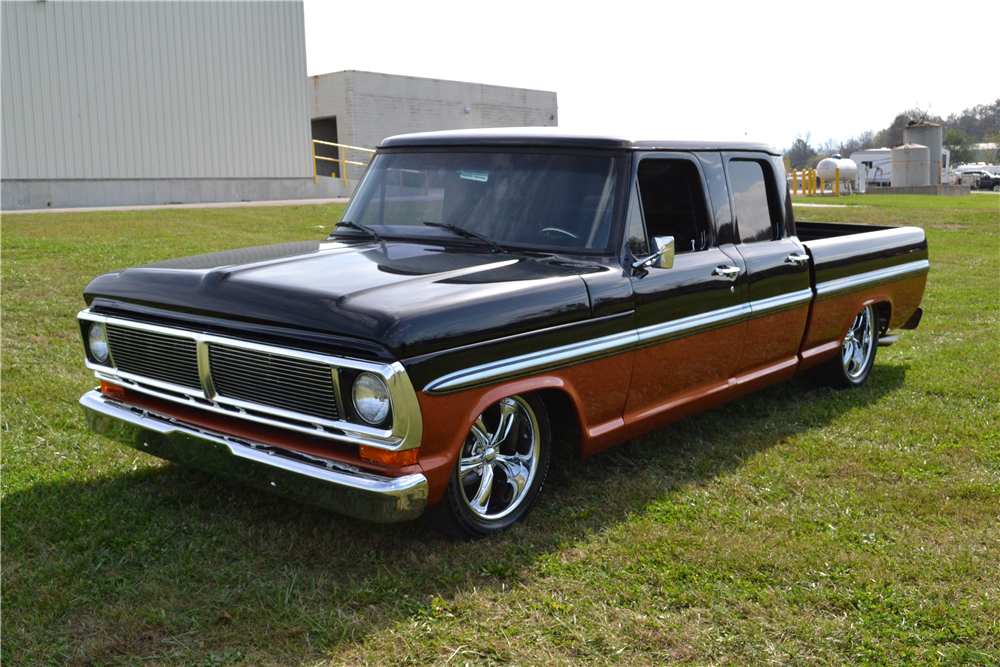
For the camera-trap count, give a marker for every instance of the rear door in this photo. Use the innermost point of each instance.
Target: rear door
(777, 266)
(691, 318)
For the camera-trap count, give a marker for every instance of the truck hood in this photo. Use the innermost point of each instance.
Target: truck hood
(412, 298)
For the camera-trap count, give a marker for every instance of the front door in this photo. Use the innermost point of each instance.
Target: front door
(691, 318)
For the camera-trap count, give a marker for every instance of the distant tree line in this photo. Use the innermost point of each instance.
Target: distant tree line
(978, 124)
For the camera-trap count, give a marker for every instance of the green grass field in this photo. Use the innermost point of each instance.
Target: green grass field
(795, 526)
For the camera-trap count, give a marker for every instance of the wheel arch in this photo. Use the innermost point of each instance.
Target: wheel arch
(565, 420)
(449, 417)
(883, 310)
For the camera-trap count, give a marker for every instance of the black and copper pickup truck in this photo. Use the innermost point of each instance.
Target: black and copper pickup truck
(485, 294)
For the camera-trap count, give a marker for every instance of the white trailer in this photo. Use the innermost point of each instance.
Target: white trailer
(878, 162)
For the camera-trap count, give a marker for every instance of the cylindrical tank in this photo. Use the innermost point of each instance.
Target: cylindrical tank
(930, 135)
(827, 169)
(910, 165)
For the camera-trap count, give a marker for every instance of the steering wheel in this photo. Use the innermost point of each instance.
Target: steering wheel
(556, 230)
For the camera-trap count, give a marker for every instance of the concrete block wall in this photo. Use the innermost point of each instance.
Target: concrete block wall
(65, 193)
(370, 106)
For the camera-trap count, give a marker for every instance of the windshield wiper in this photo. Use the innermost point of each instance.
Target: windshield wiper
(467, 234)
(364, 228)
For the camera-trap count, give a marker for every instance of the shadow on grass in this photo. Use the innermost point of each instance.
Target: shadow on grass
(174, 565)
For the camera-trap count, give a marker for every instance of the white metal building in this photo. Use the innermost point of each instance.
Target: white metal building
(116, 103)
(122, 103)
(363, 108)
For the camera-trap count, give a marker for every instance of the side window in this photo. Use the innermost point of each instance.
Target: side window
(756, 206)
(673, 203)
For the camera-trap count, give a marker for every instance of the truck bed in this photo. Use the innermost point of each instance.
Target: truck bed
(855, 265)
(842, 250)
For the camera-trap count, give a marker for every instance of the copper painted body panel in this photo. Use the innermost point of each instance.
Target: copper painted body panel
(832, 317)
(671, 373)
(773, 339)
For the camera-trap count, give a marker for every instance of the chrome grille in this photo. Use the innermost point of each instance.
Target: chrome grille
(155, 355)
(287, 383)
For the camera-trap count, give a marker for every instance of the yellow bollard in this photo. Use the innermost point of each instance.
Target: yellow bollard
(836, 182)
(812, 180)
(795, 183)
(313, 144)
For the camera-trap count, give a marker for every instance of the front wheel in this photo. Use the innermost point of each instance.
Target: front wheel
(852, 366)
(499, 472)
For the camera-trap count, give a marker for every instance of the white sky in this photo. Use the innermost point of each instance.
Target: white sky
(685, 70)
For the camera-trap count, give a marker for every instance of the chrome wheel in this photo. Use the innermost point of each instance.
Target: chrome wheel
(499, 460)
(859, 345)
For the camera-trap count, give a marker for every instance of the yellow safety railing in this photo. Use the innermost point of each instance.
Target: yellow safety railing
(808, 178)
(342, 151)
(809, 181)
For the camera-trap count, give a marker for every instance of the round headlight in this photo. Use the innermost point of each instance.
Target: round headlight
(371, 398)
(97, 339)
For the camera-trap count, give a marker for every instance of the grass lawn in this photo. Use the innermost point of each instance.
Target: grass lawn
(797, 525)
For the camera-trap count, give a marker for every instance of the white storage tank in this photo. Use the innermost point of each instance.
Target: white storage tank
(930, 135)
(910, 165)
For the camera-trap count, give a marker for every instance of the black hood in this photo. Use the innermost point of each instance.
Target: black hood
(410, 298)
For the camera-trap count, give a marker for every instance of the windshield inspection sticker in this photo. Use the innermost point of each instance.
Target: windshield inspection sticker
(474, 175)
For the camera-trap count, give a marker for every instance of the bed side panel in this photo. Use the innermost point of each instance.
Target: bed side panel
(886, 266)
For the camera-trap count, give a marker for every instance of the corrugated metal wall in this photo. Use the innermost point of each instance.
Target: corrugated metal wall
(124, 90)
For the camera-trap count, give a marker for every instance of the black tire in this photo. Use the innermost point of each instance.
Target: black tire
(525, 447)
(853, 363)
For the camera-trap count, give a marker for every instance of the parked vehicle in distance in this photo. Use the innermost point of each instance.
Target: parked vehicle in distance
(989, 182)
(484, 294)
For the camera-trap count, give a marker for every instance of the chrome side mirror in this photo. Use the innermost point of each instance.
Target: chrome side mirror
(663, 258)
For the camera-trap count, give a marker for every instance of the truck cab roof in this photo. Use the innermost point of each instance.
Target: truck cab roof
(547, 137)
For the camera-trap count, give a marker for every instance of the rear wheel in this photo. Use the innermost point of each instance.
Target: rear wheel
(499, 472)
(852, 366)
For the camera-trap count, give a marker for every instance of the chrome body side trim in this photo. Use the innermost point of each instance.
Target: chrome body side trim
(328, 484)
(782, 302)
(407, 426)
(535, 362)
(567, 355)
(687, 326)
(840, 286)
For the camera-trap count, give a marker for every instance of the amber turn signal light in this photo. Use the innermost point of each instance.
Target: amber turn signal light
(114, 390)
(403, 458)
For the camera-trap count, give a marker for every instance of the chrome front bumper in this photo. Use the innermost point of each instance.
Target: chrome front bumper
(327, 484)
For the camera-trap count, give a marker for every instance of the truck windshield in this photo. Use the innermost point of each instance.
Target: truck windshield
(529, 200)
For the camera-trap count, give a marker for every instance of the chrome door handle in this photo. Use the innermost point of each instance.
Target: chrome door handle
(727, 271)
(797, 258)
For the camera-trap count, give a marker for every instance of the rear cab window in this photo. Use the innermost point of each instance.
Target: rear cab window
(755, 200)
